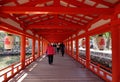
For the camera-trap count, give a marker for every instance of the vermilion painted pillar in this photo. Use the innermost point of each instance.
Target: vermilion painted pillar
(39, 47)
(71, 52)
(115, 54)
(68, 47)
(87, 51)
(45, 45)
(33, 48)
(42, 46)
(65, 45)
(22, 56)
(77, 48)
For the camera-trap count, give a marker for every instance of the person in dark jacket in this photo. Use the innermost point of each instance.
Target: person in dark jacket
(58, 48)
(62, 47)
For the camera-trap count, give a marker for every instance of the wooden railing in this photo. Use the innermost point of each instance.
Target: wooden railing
(82, 61)
(100, 70)
(28, 61)
(107, 76)
(10, 71)
(101, 66)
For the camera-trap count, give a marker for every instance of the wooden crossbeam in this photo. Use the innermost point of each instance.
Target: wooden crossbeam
(53, 27)
(55, 10)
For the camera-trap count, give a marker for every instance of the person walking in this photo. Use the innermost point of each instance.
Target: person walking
(58, 48)
(62, 47)
(50, 52)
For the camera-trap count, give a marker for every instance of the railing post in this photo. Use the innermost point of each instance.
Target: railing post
(12, 72)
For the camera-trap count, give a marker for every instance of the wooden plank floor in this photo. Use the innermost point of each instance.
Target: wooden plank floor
(64, 69)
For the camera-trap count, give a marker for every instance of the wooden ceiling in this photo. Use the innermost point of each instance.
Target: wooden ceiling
(56, 20)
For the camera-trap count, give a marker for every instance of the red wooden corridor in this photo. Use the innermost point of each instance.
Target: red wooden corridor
(77, 23)
(64, 69)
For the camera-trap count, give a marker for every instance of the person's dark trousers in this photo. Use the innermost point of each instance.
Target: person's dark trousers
(57, 50)
(62, 53)
(50, 59)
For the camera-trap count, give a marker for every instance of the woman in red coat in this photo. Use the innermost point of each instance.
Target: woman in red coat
(50, 52)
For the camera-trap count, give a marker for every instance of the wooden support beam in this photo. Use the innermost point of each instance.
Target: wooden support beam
(55, 10)
(55, 33)
(76, 3)
(115, 54)
(53, 27)
(33, 48)
(87, 50)
(39, 47)
(77, 48)
(117, 9)
(22, 56)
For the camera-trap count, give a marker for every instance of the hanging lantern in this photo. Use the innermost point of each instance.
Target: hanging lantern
(83, 43)
(27, 43)
(8, 41)
(101, 42)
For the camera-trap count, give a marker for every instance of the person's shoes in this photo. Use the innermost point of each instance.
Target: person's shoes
(50, 63)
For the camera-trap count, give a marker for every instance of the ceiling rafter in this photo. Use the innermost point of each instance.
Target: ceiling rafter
(35, 2)
(13, 18)
(51, 33)
(103, 2)
(52, 27)
(76, 3)
(40, 20)
(28, 17)
(57, 37)
(44, 22)
(6, 1)
(53, 37)
(59, 21)
(56, 3)
(64, 18)
(81, 18)
(55, 30)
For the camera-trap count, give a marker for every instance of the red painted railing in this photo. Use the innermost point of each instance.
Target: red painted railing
(107, 76)
(10, 71)
(28, 61)
(98, 69)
